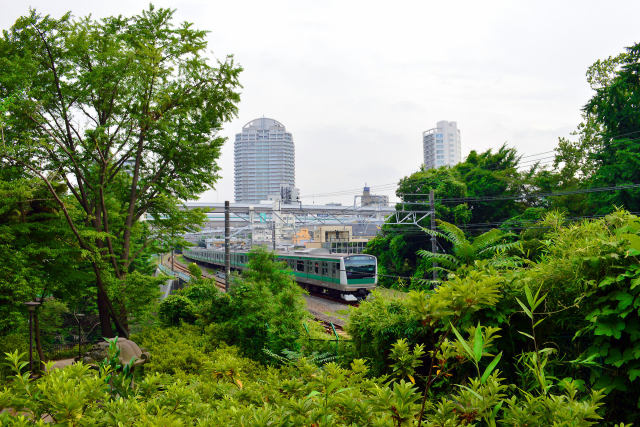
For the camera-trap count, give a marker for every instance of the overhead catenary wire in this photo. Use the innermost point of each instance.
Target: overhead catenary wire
(541, 161)
(522, 196)
(388, 186)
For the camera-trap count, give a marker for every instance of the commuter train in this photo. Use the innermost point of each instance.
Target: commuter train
(350, 277)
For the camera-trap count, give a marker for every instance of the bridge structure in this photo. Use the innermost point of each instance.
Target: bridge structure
(253, 221)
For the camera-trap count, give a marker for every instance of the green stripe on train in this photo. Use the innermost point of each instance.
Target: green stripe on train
(366, 281)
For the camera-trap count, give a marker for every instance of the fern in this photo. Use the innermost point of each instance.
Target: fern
(290, 357)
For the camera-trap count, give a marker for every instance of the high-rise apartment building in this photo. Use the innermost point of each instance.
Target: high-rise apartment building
(264, 160)
(441, 145)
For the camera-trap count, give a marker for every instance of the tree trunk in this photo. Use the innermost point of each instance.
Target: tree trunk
(36, 332)
(103, 313)
(106, 310)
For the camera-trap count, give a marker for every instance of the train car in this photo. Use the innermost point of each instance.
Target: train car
(350, 277)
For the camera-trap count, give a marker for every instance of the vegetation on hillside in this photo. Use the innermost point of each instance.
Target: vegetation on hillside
(534, 319)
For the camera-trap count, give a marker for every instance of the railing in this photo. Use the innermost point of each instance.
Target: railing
(178, 274)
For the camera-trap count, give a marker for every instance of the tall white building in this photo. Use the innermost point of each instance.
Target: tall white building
(264, 160)
(441, 145)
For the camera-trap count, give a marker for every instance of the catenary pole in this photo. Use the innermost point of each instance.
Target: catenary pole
(273, 233)
(434, 244)
(227, 257)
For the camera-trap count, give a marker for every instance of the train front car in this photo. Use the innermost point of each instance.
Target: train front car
(359, 275)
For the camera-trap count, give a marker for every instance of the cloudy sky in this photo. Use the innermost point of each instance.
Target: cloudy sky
(357, 82)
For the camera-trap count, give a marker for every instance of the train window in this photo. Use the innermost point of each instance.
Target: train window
(325, 268)
(316, 268)
(300, 265)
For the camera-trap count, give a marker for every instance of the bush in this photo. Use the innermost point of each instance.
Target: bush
(380, 322)
(266, 309)
(175, 309)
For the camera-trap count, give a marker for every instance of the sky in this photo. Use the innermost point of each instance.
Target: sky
(357, 82)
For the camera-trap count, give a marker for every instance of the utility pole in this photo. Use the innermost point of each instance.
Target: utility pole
(273, 233)
(227, 257)
(434, 247)
(251, 227)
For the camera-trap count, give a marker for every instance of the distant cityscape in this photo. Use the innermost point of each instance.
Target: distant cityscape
(268, 209)
(264, 161)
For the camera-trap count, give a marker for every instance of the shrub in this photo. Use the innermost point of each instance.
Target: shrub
(175, 309)
(380, 322)
(266, 308)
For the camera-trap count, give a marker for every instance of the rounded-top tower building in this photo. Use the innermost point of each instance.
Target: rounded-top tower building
(264, 160)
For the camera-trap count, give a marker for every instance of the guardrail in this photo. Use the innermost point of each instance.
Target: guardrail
(170, 272)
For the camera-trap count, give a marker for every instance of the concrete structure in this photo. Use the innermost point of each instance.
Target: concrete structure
(441, 145)
(264, 161)
(337, 239)
(369, 199)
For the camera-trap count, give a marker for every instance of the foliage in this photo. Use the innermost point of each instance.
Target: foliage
(266, 308)
(606, 150)
(612, 318)
(124, 111)
(405, 360)
(175, 309)
(481, 176)
(195, 271)
(378, 323)
(118, 377)
(464, 251)
(34, 238)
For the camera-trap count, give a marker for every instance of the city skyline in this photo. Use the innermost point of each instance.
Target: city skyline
(358, 82)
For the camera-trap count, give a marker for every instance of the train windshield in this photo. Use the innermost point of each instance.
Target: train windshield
(360, 266)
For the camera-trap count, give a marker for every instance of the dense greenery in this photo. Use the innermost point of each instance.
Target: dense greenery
(263, 309)
(534, 319)
(123, 114)
(496, 189)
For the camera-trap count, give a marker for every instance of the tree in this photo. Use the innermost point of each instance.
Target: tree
(616, 108)
(125, 111)
(266, 308)
(482, 175)
(488, 175)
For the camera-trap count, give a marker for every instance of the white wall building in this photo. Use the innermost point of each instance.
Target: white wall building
(264, 160)
(442, 146)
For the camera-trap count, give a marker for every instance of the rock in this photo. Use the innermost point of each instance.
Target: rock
(128, 350)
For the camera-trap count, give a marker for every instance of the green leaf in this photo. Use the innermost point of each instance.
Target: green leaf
(625, 300)
(538, 322)
(471, 391)
(633, 374)
(526, 335)
(527, 292)
(524, 307)
(538, 301)
(606, 282)
(462, 341)
(477, 344)
(490, 368)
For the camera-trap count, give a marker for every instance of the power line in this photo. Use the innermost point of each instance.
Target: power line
(357, 190)
(524, 196)
(538, 154)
